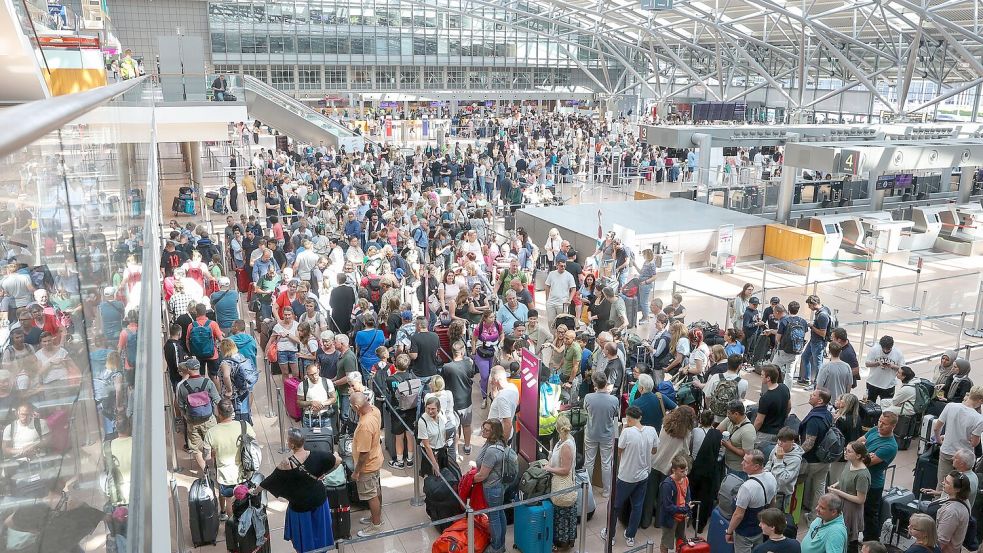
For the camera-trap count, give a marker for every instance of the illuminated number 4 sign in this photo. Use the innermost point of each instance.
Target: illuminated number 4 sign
(849, 162)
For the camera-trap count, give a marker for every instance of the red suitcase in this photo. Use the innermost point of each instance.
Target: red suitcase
(696, 544)
(58, 425)
(290, 386)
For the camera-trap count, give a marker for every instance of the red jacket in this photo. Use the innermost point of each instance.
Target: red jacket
(471, 492)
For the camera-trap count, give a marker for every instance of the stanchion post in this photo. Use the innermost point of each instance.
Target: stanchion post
(979, 307)
(918, 278)
(470, 530)
(921, 313)
(815, 287)
(584, 490)
(269, 391)
(281, 414)
(172, 431)
(877, 319)
(863, 337)
(877, 285)
(962, 329)
(860, 288)
(417, 499)
(805, 286)
(764, 279)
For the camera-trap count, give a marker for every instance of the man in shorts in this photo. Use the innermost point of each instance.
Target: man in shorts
(367, 454)
(197, 426)
(223, 440)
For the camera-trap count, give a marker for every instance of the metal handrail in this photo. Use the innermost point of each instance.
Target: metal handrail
(28, 122)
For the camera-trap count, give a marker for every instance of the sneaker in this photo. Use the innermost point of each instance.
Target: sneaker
(365, 520)
(409, 462)
(369, 530)
(397, 465)
(604, 535)
(467, 450)
(809, 387)
(630, 542)
(223, 517)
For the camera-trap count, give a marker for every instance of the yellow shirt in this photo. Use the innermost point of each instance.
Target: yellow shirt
(366, 439)
(249, 184)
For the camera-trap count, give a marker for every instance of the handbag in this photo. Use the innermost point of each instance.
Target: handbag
(558, 483)
(272, 350)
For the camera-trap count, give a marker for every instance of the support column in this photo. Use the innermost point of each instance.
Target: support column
(965, 185)
(785, 194)
(194, 152)
(124, 165)
(703, 142)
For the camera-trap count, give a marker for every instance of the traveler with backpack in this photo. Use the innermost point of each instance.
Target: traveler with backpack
(225, 302)
(404, 393)
(739, 437)
(721, 389)
(790, 338)
(883, 361)
(27, 435)
(852, 487)
(906, 402)
(239, 376)
(196, 397)
(819, 334)
(202, 338)
(317, 399)
(836, 376)
(498, 468)
(753, 496)
(637, 445)
(812, 432)
(229, 440)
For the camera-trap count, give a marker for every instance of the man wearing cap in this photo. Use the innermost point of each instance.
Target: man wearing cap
(752, 323)
(197, 427)
(225, 302)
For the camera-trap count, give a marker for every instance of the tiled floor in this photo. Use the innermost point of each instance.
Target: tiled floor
(944, 296)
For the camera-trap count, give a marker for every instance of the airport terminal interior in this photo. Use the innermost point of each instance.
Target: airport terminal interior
(412, 276)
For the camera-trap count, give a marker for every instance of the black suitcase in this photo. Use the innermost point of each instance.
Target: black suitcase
(509, 222)
(869, 413)
(177, 206)
(341, 511)
(243, 544)
(440, 502)
(905, 430)
(926, 470)
(319, 439)
(203, 511)
(578, 439)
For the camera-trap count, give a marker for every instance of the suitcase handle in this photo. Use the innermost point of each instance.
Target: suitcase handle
(698, 504)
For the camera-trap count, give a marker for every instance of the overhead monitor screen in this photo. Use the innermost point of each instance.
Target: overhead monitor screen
(885, 182)
(903, 180)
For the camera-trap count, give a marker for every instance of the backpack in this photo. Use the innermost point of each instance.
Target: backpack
(535, 481)
(244, 375)
(324, 383)
(198, 404)
(924, 392)
(833, 323)
(131, 347)
(662, 361)
(794, 339)
(408, 393)
(725, 392)
(200, 339)
(375, 289)
(250, 453)
(510, 466)
(830, 448)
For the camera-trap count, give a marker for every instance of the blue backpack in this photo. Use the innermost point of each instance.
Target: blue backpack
(794, 339)
(131, 348)
(244, 374)
(200, 340)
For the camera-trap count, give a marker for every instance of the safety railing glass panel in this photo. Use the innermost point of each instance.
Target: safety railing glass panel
(72, 237)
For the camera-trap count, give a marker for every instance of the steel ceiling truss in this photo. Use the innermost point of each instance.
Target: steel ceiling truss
(736, 47)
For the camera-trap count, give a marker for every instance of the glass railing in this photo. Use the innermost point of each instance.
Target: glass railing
(80, 461)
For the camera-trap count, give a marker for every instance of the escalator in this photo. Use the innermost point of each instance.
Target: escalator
(281, 111)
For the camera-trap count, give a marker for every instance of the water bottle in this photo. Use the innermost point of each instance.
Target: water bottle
(720, 456)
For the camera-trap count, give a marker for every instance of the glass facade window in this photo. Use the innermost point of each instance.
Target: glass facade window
(409, 77)
(385, 78)
(433, 78)
(478, 78)
(309, 77)
(282, 77)
(361, 78)
(335, 78)
(455, 78)
(261, 72)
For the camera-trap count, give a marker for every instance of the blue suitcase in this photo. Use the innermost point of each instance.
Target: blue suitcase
(536, 523)
(189, 206)
(715, 533)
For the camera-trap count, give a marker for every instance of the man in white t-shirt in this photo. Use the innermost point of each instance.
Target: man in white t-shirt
(883, 362)
(315, 397)
(506, 399)
(636, 446)
(963, 426)
(754, 495)
(26, 435)
(560, 288)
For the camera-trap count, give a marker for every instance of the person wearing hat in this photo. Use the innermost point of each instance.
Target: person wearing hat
(751, 322)
(199, 419)
(225, 302)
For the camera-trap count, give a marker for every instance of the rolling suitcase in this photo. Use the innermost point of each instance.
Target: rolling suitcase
(925, 433)
(319, 439)
(891, 497)
(203, 512)
(715, 533)
(696, 544)
(440, 502)
(189, 206)
(177, 206)
(290, 386)
(580, 476)
(245, 544)
(905, 430)
(536, 522)
(869, 413)
(341, 511)
(926, 470)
